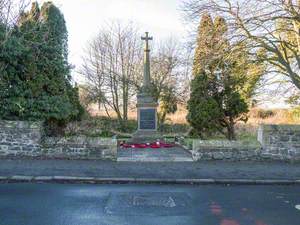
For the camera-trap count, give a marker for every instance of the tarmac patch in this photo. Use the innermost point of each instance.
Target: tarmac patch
(148, 203)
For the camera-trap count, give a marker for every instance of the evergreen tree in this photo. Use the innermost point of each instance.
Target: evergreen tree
(12, 79)
(248, 70)
(45, 90)
(216, 103)
(204, 43)
(203, 108)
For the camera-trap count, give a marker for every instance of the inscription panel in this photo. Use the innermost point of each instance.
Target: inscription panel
(147, 119)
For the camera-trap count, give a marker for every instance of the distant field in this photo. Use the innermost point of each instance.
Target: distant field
(244, 131)
(256, 116)
(178, 117)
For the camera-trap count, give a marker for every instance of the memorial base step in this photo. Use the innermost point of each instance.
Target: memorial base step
(174, 154)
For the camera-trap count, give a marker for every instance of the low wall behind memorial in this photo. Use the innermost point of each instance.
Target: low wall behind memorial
(225, 150)
(275, 143)
(280, 142)
(26, 139)
(19, 138)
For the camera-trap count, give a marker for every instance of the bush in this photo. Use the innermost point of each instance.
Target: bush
(264, 114)
(296, 113)
(171, 128)
(35, 83)
(214, 108)
(100, 127)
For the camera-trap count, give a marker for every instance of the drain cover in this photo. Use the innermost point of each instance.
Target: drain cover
(148, 203)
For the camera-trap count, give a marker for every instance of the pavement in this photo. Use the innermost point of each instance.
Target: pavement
(150, 172)
(66, 204)
(173, 154)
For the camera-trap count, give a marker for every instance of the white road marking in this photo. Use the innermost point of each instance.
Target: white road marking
(297, 207)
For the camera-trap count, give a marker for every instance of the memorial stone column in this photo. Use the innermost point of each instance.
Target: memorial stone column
(146, 105)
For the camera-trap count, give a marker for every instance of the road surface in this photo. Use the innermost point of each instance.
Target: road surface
(129, 204)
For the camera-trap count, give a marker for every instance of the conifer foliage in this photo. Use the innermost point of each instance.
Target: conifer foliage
(216, 103)
(35, 74)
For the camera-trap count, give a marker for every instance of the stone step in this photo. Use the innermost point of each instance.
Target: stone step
(174, 154)
(154, 159)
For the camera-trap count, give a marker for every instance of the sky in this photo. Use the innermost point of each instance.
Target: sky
(84, 18)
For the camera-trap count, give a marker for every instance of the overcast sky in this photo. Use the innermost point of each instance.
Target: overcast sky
(162, 18)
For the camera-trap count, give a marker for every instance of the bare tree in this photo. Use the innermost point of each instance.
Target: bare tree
(165, 61)
(270, 29)
(111, 66)
(11, 10)
(168, 73)
(113, 69)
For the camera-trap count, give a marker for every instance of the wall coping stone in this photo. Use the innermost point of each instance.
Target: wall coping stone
(21, 124)
(225, 144)
(79, 140)
(275, 127)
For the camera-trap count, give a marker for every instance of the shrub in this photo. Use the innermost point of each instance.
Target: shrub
(264, 114)
(35, 82)
(214, 108)
(296, 113)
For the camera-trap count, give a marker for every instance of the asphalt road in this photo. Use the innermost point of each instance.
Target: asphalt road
(64, 204)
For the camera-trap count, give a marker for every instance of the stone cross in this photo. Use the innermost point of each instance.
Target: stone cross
(147, 81)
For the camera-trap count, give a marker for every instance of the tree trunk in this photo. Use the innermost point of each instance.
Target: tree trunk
(231, 131)
(162, 118)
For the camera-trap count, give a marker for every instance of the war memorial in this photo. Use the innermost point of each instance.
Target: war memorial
(146, 105)
(177, 137)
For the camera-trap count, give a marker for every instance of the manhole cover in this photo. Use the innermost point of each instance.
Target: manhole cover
(148, 203)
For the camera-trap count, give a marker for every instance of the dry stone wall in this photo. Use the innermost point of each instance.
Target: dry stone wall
(281, 142)
(26, 139)
(225, 150)
(80, 147)
(20, 138)
(275, 142)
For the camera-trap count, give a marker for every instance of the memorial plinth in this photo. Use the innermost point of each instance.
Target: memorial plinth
(146, 104)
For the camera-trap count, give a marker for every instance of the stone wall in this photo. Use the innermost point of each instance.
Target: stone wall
(25, 139)
(280, 142)
(275, 142)
(80, 147)
(19, 138)
(225, 150)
